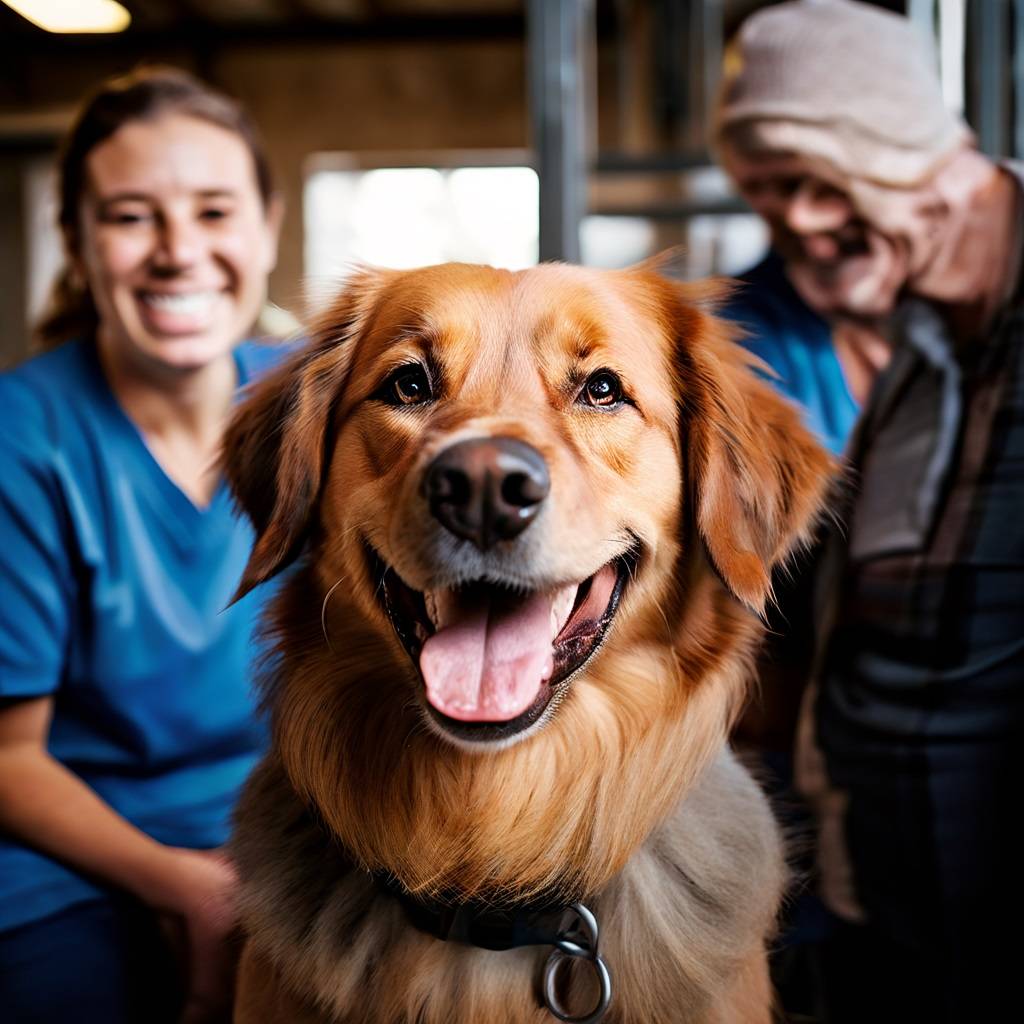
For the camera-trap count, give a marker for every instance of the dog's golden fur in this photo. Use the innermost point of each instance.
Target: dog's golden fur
(627, 797)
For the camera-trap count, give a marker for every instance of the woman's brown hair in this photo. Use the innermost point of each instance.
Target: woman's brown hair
(143, 95)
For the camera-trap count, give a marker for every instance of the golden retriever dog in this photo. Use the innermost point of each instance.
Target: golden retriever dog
(534, 518)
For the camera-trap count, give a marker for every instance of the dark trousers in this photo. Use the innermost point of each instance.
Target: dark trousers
(99, 962)
(937, 867)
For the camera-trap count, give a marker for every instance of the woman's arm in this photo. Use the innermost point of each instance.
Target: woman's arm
(46, 806)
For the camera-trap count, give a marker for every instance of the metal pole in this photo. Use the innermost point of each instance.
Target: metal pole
(556, 41)
(713, 33)
(990, 73)
(1018, 78)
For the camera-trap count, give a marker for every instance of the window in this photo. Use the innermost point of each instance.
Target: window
(410, 216)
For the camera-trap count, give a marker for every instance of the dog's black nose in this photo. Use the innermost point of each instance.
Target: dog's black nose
(487, 489)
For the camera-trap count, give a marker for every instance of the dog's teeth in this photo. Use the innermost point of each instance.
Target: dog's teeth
(561, 606)
(431, 604)
(442, 606)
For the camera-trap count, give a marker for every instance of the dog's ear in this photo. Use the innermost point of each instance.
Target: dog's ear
(757, 478)
(279, 441)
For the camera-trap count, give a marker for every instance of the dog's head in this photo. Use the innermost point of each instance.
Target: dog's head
(540, 506)
(495, 465)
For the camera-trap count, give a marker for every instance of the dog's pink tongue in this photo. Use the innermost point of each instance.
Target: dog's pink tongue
(489, 663)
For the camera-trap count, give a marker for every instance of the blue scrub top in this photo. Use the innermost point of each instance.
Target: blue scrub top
(797, 344)
(113, 588)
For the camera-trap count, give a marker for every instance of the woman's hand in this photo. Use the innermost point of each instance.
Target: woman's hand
(49, 807)
(197, 895)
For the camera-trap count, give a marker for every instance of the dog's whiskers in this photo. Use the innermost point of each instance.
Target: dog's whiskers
(668, 632)
(417, 724)
(323, 612)
(344, 534)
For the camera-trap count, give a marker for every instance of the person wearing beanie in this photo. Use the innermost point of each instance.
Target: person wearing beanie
(907, 243)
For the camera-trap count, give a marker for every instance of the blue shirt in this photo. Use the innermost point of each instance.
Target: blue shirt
(113, 588)
(797, 344)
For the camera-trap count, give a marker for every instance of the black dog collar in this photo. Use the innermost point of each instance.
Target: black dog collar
(487, 925)
(570, 928)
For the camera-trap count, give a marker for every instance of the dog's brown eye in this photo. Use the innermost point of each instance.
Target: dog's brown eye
(408, 385)
(602, 389)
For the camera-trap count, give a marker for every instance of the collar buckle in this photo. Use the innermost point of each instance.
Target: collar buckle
(570, 928)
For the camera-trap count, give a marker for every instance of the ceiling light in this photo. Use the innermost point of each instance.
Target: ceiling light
(73, 15)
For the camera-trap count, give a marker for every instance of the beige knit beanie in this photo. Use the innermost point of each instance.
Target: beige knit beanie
(843, 81)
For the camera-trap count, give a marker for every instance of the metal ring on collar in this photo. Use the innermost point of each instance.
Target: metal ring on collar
(588, 922)
(578, 942)
(604, 981)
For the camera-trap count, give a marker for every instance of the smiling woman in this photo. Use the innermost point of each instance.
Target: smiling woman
(173, 243)
(126, 723)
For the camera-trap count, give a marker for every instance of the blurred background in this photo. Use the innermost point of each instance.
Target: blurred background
(405, 132)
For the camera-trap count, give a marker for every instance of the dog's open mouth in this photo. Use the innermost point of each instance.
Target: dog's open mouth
(493, 658)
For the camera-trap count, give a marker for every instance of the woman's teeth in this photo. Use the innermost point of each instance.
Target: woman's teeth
(181, 303)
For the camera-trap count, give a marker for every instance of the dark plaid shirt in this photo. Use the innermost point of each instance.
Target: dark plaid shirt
(927, 651)
(920, 689)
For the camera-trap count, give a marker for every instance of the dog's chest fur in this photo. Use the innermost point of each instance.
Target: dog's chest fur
(678, 923)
